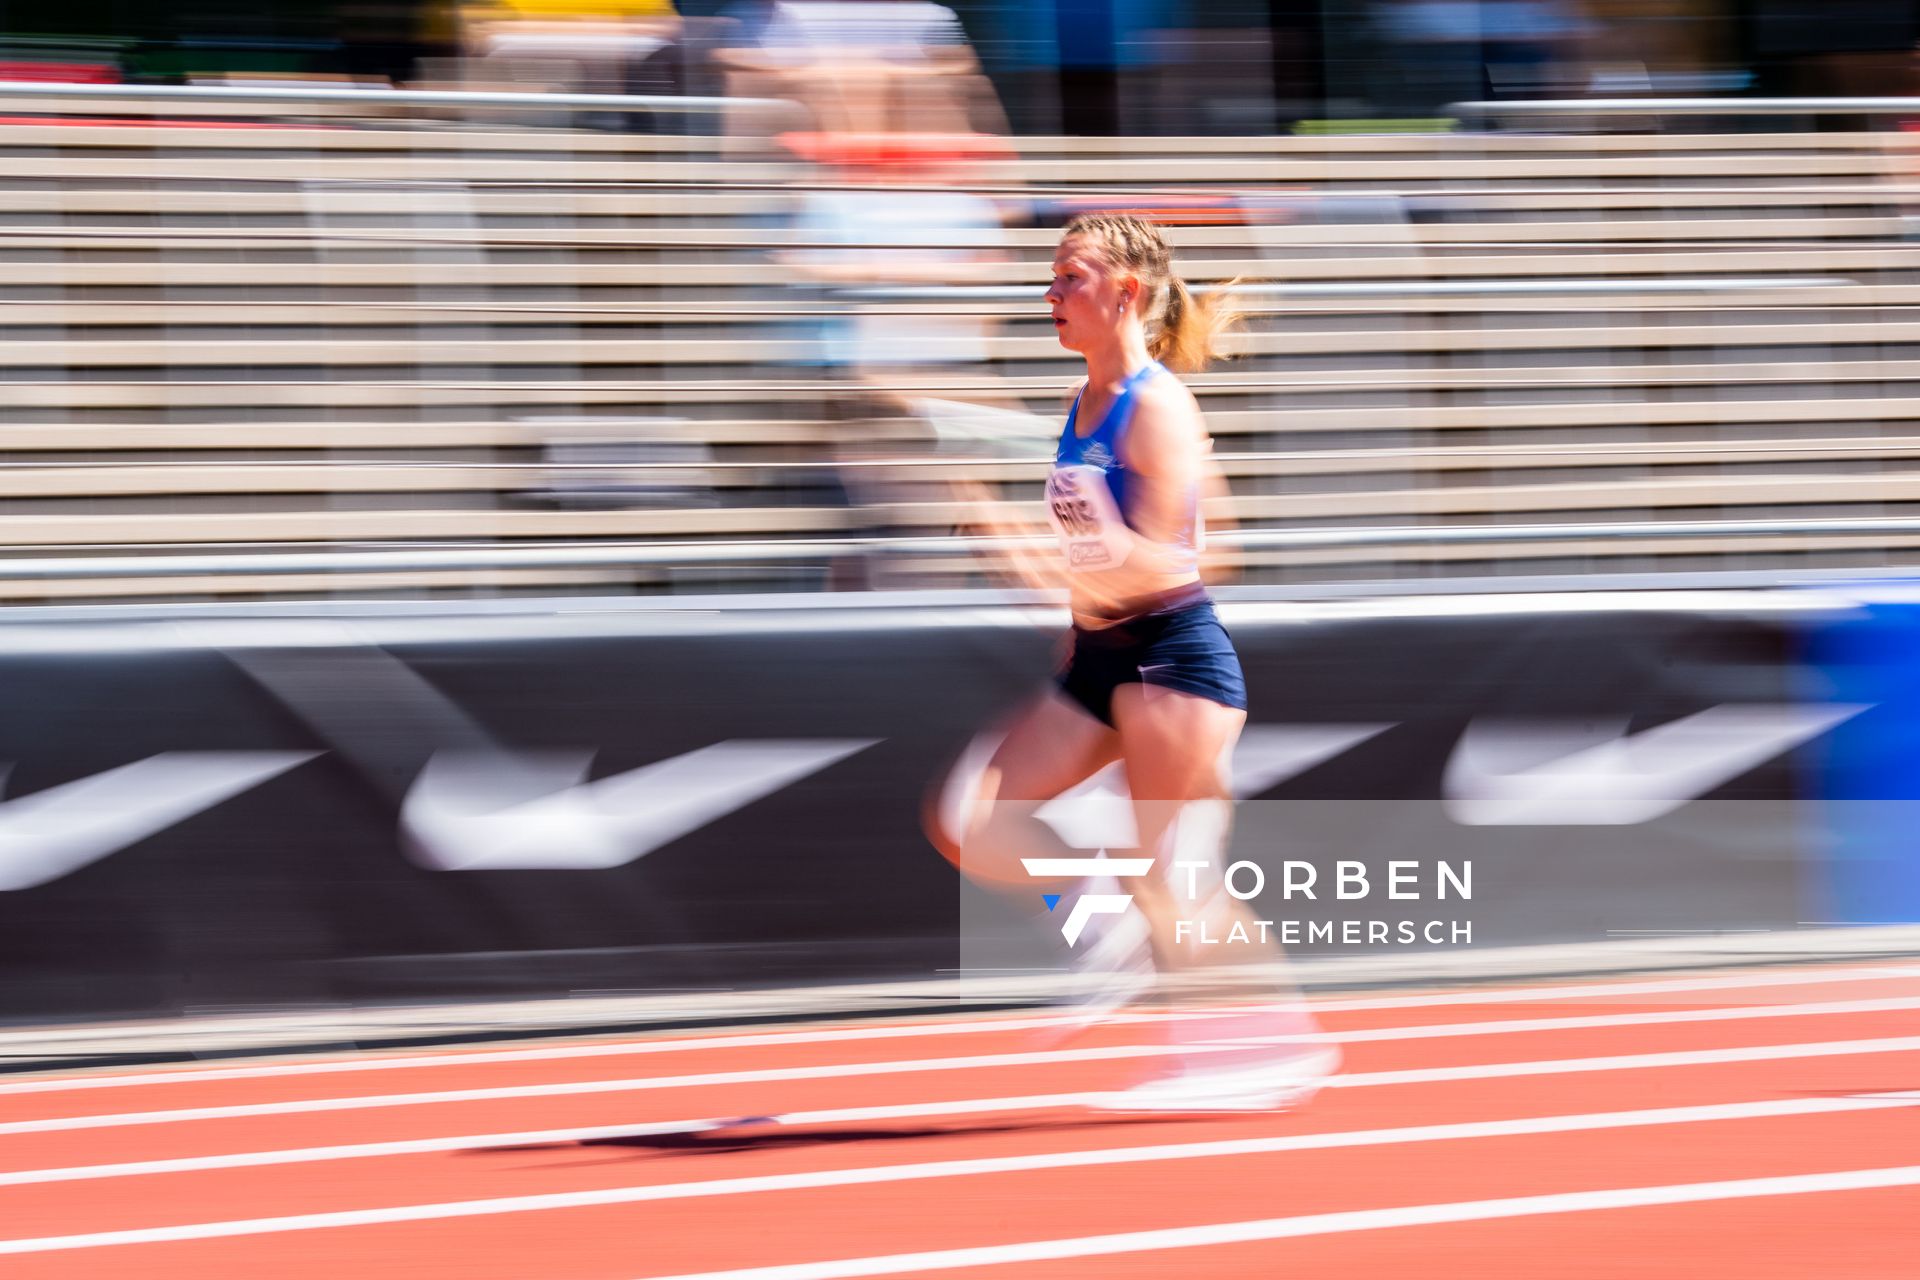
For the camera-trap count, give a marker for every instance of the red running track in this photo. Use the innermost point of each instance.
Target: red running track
(1760, 1123)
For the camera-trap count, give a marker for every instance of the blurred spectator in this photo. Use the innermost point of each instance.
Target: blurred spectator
(1081, 67)
(863, 66)
(1455, 50)
(1102, 43)
(895, 30)
(901, 118)
(878, 248)
(1529, 48)
(577, 46)
(901, 124)
(870, 231)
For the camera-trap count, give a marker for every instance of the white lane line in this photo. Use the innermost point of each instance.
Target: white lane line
(1320, 1224)
(635, 1085)
(760, 1184)
(919, 1110)
(476, 1141)
(894, 1031)
(1658, 1017)
(910, 1066)
(1624, 1062)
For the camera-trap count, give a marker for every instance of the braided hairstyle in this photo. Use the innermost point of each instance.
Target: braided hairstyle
(1183, 332)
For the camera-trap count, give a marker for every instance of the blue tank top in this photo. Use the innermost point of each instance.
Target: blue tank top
(1100, 450)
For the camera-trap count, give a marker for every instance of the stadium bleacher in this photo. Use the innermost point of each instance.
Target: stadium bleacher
(341, 330)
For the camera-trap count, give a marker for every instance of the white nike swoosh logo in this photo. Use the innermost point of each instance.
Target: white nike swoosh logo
(480, 806)
(55, 832)
(498, 810)
(1568, 774)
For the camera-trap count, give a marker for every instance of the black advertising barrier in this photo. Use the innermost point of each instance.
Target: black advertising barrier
(267, 811)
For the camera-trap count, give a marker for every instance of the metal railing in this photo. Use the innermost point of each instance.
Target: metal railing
(657, 554)
(1691, 107)
(118, 95)
(1384, 289)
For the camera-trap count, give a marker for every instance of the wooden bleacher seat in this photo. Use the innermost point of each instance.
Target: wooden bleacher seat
(1462, 330)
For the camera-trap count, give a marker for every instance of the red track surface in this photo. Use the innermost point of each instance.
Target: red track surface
(1812, 1167)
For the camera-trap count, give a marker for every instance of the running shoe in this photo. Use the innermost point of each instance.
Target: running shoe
(1276, 1085)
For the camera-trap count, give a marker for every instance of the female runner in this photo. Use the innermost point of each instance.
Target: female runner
(1152, 679)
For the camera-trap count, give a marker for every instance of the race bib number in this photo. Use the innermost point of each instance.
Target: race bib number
(1084, 515)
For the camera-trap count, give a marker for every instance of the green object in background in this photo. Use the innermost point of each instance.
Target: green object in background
(1339, 128)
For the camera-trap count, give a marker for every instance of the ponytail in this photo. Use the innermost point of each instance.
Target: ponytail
(1187, 337)
(1183, 332)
